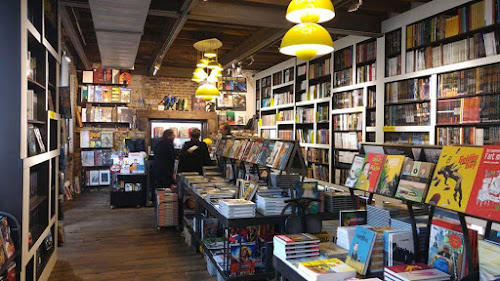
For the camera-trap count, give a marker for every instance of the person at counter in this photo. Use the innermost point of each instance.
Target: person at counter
(194, 154)
(164, 160)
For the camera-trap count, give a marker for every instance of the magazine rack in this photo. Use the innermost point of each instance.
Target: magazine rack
(426, 153)
(15, 230)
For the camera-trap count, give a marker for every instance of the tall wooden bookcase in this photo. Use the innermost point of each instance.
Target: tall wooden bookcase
(396, 66)
(29, 189)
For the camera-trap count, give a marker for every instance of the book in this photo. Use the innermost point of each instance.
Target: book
(125, 94)
(87, 76)
(106, 139)
(32, 146)
(489, 263)
(370, 174)
(398, 247)
(355, 171)
(352, 217)
(209, 227)
(446, 250)
(104, 177)
(390, 175)
(39, 139)
(454, 177)
(243, 259)
(3, 255)
(414, 180)
(361, 248)
(87, 158)
(484, 200)
(328, 269)
(95, 139)
(7, 242)
(106, 94)
(410, 272)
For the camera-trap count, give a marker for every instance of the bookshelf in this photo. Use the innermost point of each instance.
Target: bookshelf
(393, 53)
(31, 59)
(343, 67)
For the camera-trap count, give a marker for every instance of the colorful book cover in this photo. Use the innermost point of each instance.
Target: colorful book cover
(352, 217)
(489, 263)
(106, 139)
(125, 77)
(95, 139)
(414, 181)
(284, 159)
(254, 153)
(98, 77)
(308, 190)
(454, 177)
(116, 94)
(230, 117)
(267, 148)
(97, 94)
(106, 93)
(209, 227)
(446, 250)
(370, 174)
(297, 238)
(355, 171)
(125, 95)
(328, 266)
(274, 153)
(390, 174)
(484, 198)
(8, 243)
(243, 259)
(360, 250)
(3, 255)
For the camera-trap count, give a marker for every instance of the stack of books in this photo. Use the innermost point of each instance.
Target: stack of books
(329, 269)
(336, 201)
(237, 208)
(404, 223)
(166, 204)
(294, 246)
(344, 236)
(330, 250)
(377, 257)
(417, 271)
(270, 204)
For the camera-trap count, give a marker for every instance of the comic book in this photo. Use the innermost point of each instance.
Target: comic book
(360, 250)
(390, 174)
(370, 174)
(355, 171)
(414, 180)
(453, 177)
(484, 198)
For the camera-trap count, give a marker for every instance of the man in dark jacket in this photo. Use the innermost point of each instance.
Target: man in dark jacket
(194, 154)
(164, 153)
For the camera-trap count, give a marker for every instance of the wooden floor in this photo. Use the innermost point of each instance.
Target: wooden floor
(121, 244)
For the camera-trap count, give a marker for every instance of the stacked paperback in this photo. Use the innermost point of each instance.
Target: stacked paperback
(237, 208)
(270, 204)
(344, 236)
(329, 269)
(409, 272)
(294, 246)
(166, 205)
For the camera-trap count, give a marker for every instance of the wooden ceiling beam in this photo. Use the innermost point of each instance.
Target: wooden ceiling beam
(75, 40)
(170, 37)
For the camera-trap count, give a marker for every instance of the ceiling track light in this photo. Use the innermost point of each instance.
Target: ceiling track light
(355, 6)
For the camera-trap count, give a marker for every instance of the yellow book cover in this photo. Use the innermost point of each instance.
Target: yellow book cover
(453, 177)
(451, 26)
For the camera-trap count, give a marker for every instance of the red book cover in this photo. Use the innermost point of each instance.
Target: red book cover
(98, 76)
(408, 267)
(107, 76)
(484, 199)
(370, 173)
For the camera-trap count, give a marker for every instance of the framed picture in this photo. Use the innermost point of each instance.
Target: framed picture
(104, 177)
(233, 101)
(94, 178)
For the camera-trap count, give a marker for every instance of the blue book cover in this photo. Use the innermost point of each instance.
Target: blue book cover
(360, 250)
(308, 190)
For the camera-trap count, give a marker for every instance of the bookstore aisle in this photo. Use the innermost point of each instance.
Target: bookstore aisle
(121, 245)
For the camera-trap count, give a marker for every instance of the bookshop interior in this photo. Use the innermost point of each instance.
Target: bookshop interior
(277, 140)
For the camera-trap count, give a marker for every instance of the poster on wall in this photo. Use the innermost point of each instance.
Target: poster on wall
(199, 104)
(232, 101)
(233, 84)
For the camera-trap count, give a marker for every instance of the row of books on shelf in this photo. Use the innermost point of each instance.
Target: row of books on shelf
(266, 102)
(285, 115)
(323, 136)
(407, 90)
(468, 135)
(305, 135)
(285, 134)
(342, 78)
(122, 186)
(97, 177)
(106, 76)
(283, 98)
(366, 51)
(317, 91)
(417, 114)
(347, 122)
(366, 73)
(323, 113)
(96, 158)
(35, 141)
(393, 66)
(32, 105)
(105, 94)
(466, 18)
(107, 114)
(231, 117)
(274, 154)
(302, 86)
(342, 59)
(320, 69)
(479, 80)
(266, 92)
(461, 181)
(348, 99)
(407, 138)
(269, 120)
(347, 140)
(234, 84)
(317, 155)
(305, 115)
(318, 172)
(477, 46)
(371, 118)
(301, 70)
(372, 96)
(268, 134)
(96, 139)
(344, 157)
(479, 109)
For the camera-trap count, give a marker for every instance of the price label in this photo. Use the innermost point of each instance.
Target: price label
(389, 128)
(272, 101)
(52, 115)
(260, 122)
(278, 116)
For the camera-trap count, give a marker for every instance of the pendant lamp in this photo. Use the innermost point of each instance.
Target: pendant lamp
(306, 41)
(210, 54)
(207, 92)
(202, 63)
(316, 11)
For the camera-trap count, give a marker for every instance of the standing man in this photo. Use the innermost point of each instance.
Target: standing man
(164, 163)
(194, 154)
(225, 129)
